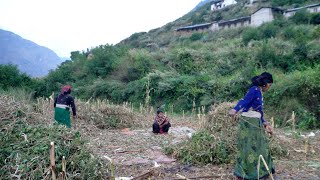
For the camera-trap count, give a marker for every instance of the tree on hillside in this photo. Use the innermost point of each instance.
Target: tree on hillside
(10, 76)
(301, 17)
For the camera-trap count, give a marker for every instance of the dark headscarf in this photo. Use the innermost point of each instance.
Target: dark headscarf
(66, 89)
(262, 80)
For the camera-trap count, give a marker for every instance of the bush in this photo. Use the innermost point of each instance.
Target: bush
(316, 32)
(298, 33)
(301, 17)
(10, 77)
(185, 63)
(251, 34)
(315, 18)
(269, 30)
(300, 85)
(104, 60)
(196, 36)
(301, 53)
(266, 55)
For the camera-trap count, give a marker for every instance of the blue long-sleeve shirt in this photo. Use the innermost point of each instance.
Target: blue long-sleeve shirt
(253, 99)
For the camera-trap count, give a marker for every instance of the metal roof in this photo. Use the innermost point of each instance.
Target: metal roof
(194, 26)
(309, 6)
(273, 8)
(235, 20)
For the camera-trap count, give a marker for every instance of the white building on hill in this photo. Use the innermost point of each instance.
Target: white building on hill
(313, 8)
(219, 4)
(257, 18)
(263, 15)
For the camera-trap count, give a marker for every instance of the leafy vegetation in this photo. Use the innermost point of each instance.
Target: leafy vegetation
(29, 158)
(11, 77)
(202, 68)
(175, 70)
(203, 149)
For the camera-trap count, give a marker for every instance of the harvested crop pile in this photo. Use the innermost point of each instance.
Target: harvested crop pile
(216, 143)
(99, 113)
(105, 115)
(24, 152)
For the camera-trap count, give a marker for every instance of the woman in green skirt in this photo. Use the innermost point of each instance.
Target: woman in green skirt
(62, 106)
(252, 139)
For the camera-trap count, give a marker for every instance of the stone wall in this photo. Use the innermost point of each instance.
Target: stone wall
(261, 16)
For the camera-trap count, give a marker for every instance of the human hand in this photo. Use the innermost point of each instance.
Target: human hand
(232, 112)
(269, 129)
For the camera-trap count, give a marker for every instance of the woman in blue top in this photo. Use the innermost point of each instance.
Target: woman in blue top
(252, 140)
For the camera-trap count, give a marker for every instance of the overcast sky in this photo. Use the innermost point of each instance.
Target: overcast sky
(70, 25)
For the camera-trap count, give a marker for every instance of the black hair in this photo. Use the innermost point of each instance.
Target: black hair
(159, 110)
(67, 92)
(262, 80)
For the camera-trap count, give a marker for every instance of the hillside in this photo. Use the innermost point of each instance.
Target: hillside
(185, 71)
(164, 36)
(29, 57)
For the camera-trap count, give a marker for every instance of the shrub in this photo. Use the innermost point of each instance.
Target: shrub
(305, 83)
(196, 36)
(266, 55)
(269, 30)
(10, 76)
(104, 60)
(251, 34)
(301, 52)
(289, 32)
(185, 63)
(316, 32)
(315, 18)
(301, 17)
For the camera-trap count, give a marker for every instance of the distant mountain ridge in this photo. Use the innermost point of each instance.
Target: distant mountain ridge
(29, 57)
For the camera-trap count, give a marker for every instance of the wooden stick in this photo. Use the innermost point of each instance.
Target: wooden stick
(201, 177)
(64, 167)
(293, 117)
(128, 151)
(52, 162)
(112, 167)
(60, 176)
(180, 176)
(306, 144)
(266, 166)
(144, 175)
(272, 122)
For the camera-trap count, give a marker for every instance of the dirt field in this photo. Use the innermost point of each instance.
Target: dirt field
(135, 151)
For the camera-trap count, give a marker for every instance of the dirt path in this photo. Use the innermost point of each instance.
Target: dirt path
(135, 151)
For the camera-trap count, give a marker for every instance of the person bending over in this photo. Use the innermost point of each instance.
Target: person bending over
(161, 123)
